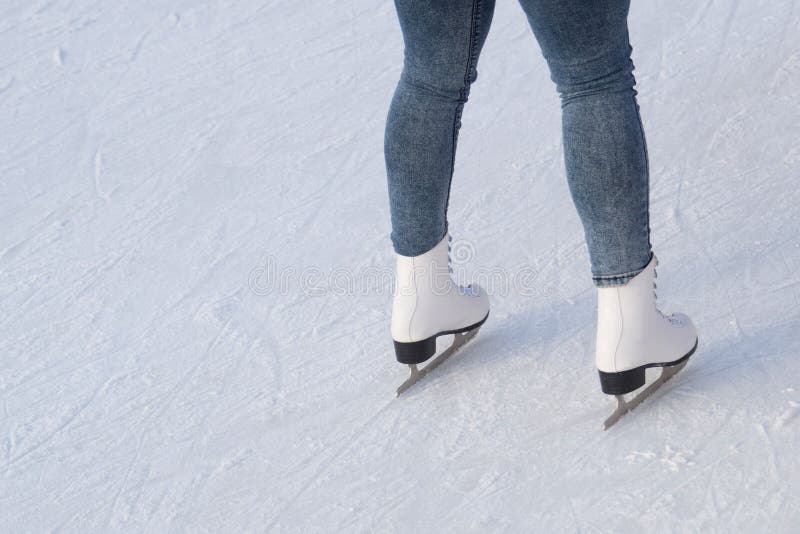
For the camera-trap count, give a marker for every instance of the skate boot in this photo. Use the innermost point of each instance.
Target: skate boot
(428, 304)
(633, 334)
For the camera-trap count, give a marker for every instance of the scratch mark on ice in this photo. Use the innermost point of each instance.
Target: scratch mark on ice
(98, 171)
(7, 85)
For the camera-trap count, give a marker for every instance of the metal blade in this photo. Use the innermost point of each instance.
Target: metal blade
(416, 374)
(624, 406)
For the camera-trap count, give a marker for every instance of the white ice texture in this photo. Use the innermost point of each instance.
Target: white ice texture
(192, 195)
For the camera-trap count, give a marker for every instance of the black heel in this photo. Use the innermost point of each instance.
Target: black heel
(415, 352)
(622, 382)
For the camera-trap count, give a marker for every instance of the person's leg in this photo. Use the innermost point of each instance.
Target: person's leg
(442, 42)
(586, 47)
(443, 39)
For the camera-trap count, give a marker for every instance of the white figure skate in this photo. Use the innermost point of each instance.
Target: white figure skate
(632, 335)
(428, 304)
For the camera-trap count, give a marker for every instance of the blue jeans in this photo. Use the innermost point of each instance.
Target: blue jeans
(587, 50)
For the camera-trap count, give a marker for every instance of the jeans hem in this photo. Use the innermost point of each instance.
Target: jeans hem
(611, 280)
(411, 252)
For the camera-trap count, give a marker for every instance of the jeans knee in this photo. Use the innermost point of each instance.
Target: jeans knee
(445, 82)
(606, 73)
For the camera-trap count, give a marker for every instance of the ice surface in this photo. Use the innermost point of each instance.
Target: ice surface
(162, 164)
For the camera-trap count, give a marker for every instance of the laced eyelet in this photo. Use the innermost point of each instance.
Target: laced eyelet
(669, 317)
(449, 250)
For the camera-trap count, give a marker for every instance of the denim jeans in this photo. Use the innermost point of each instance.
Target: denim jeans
(588, 53)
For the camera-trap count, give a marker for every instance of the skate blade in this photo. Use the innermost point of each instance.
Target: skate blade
(623, 406)
(417, 374)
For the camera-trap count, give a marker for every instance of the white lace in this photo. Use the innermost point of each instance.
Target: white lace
(670, 317)
(467, 289)
(449, 267)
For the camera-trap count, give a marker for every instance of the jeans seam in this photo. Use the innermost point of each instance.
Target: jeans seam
(646, 155)
(646, 170)
(473, 39)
